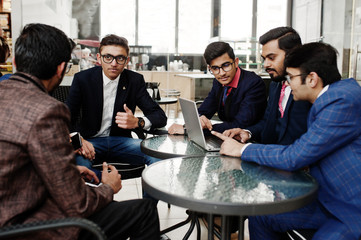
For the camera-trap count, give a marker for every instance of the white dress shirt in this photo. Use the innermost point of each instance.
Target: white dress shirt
(109, 94)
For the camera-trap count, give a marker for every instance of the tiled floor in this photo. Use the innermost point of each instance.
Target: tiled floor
(132, 189)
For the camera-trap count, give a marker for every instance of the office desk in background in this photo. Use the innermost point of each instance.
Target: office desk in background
(197, 87)
(228, 187)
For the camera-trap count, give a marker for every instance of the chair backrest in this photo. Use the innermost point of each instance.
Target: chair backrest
(28, 228)
(61, 93)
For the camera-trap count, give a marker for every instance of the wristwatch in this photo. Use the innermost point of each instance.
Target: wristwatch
(141, 122)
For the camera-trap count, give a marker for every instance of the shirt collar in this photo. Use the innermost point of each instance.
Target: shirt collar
(106, 80)
(235, 80)
(323, 91)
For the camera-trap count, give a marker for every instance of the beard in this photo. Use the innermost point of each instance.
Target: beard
(278, 78)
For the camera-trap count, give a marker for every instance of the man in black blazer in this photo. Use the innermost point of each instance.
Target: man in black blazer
(237, 95)
(278, 126)
(105, 99)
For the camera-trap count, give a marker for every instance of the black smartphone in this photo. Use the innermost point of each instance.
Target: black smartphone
(75, 140)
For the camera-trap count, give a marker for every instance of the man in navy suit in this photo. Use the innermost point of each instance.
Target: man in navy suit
(106, 97)
(238, 95)
(330, 147)
(284, 120)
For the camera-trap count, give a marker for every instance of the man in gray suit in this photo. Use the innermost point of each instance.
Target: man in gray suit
(39, 179)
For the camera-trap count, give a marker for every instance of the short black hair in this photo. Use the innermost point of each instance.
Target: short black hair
(40, 49)
(217, 49)
(288, 38)
(112, 39)
(320, 58)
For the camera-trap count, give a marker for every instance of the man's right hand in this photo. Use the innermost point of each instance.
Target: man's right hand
(112, 178)
(238, 134)
(87, 150)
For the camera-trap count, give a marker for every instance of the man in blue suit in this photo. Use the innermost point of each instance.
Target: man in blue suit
(106, 97)
(238, 95)
(331, 148)
(284, 120)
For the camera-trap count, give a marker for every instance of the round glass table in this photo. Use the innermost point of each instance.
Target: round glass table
(227, 186)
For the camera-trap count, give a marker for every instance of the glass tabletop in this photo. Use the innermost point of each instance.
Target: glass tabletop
(169, 146)
(227, 186)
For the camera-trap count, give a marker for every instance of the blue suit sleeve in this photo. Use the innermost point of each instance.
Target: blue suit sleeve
(333, 124)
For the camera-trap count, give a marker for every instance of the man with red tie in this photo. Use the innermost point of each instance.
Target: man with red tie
(237, 95)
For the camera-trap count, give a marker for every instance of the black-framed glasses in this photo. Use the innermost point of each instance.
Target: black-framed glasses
(107, 58)
(289, 77)
(68, 67)
(226, 67)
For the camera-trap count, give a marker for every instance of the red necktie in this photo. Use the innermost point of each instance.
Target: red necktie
(281, 98)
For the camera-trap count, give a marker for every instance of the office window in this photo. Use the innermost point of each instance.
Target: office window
(157, 22)
(271, 14)
(157, 25)
(118, 17)
(194, 25)
(236, 19)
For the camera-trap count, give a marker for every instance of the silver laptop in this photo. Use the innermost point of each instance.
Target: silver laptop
(194, 127)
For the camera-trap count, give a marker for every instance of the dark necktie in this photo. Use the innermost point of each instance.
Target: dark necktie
(225, 94)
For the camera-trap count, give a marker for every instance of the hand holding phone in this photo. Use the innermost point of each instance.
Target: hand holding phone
(76, 140)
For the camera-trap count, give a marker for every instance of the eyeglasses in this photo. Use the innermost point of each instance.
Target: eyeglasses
(226, 67)
(107, 58)
(289, 77)
(68, 67)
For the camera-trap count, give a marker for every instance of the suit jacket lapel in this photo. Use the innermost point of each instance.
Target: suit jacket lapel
(276, 98)
(227, 105)
(96, 81)
(269, 131)
(122, 93)
(285, 116)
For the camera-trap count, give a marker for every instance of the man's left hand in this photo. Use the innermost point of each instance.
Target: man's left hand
(230, 146)
(206, 123)
(88, 174)
(126, 119)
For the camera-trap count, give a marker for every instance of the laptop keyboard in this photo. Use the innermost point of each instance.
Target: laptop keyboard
(213, 142)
